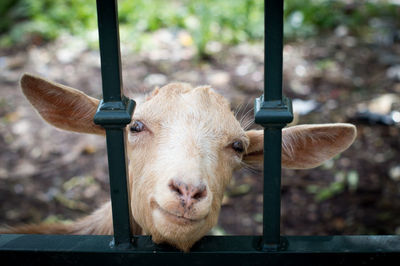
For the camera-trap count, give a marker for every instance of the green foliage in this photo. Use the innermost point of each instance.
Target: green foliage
(224, 21)
(228, 22)
(342, 181)
(46, 19)
(6, 11)
(308, 18)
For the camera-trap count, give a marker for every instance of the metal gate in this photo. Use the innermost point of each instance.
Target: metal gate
(272, 111)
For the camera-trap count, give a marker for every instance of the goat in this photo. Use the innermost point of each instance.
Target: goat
(183, 145)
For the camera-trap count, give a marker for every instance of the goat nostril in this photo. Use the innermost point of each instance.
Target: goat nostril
(197, 195)
(200, 194)
(175, 188)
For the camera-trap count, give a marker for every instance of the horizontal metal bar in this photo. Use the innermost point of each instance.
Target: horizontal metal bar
(217, 244)
(232, 250)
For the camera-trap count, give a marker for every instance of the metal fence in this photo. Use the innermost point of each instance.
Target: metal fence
(272, 111)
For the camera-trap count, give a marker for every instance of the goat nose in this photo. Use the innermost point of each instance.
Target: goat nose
(188, 194)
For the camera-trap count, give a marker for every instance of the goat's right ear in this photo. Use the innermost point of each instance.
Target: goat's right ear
(304, 146)
(61, 106)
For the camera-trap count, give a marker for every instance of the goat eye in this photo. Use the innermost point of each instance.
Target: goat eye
(237, 146)
(137, 127)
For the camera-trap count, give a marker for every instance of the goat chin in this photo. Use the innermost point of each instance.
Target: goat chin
(180, 241)
(181, 234)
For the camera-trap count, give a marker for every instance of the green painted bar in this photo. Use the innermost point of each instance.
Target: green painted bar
(273, 113)
(114, 113)
(217, 244)
(119, 187)
(107, 17)
(272, 187)
(273, 45)
(211, 250)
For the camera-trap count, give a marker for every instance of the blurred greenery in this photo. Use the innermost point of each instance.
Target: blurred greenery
(227, 22)
(23, 20)
(342, 181)
(307, 18)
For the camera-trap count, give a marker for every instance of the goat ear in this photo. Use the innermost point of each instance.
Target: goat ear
(61, 106)
(153, 93)
(308, 146)
(255, 152)
(305, 146)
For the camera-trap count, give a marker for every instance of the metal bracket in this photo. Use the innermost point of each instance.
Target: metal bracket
(276, 113)
(114, 114)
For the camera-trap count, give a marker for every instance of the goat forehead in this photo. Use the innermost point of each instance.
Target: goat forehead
(193, 134)
(179, 95)
(201, 108)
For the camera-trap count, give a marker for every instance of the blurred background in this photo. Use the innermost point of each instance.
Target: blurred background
(341, 64)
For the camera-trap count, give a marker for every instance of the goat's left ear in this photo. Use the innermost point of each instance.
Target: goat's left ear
(304, 146)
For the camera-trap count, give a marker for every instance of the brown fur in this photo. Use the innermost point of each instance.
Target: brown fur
(301, 145)
(188, 137)
(60, 105)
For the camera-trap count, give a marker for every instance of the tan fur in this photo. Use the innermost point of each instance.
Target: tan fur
(61, 106)
(302, 144)
(305, 146)
(188, 137)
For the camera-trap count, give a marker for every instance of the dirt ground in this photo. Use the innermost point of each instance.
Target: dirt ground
(50, 175)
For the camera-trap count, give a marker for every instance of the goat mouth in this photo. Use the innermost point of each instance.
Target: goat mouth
(175, 218)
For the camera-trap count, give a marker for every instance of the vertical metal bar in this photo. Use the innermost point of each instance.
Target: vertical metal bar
(119, 187)
(273, 44)
(272, 187)
(113, 114)
(107, 17)
(273, 112)
(273, 23)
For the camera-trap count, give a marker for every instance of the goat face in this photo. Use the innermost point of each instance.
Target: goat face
(183, 145)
